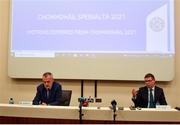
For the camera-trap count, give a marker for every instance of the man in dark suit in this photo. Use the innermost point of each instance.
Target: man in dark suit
(150, 95)
(48, 92)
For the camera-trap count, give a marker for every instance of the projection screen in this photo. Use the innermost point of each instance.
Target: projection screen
(92, 39)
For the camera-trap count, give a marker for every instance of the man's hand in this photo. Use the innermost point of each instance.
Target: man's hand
(134, 92)
(43, 103)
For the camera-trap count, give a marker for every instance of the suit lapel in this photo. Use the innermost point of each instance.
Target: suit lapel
(155, 94)
(146, 95)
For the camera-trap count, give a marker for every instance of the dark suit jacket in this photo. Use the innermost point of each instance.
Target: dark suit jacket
(142, 97)
(54, 95)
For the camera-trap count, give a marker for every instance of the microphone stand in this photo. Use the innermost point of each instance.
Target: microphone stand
(80, 112)
(114, 116)
(114, 103)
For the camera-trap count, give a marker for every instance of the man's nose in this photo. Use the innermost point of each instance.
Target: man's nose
(46, 83)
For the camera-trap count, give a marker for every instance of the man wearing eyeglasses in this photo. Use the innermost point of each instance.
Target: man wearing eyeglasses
(150, 95)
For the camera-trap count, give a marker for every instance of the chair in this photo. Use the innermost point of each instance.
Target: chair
(66, 97)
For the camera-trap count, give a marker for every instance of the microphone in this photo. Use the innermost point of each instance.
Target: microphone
(81, 100)
(114, 103)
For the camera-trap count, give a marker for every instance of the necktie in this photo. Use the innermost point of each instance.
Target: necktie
(151, 102)
(48, 94)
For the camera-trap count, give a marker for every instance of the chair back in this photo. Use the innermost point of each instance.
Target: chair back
(66, 97)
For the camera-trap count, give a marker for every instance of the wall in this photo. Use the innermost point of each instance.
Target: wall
(24, 89)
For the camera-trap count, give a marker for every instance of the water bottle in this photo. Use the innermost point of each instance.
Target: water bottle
(11, 101)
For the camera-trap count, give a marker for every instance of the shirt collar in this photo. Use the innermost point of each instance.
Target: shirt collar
(153, 88)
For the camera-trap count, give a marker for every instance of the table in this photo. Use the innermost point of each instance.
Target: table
(18, 113)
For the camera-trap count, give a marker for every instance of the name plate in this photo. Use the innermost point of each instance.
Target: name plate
(163, 107)
(25, 102)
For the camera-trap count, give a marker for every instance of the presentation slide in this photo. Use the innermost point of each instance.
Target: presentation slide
(103, 35)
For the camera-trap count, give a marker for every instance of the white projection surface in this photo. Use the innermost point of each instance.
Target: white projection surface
(92, 39)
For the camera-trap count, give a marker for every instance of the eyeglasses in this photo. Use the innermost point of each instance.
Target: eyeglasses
(150, 80)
